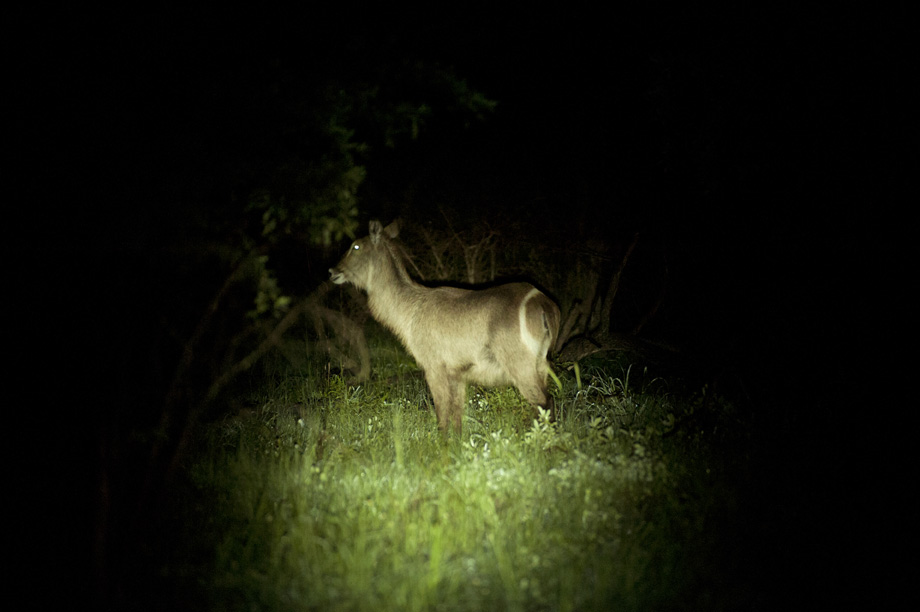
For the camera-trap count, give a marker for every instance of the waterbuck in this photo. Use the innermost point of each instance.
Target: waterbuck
(491, 337)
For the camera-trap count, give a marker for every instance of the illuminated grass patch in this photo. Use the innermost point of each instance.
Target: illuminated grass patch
(350, 499)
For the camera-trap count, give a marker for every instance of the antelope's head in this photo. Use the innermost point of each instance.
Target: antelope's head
(365, 256)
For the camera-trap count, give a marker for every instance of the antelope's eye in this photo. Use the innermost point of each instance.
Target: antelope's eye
(357, 247)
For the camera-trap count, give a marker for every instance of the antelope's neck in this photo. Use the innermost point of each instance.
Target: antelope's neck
(392, 296)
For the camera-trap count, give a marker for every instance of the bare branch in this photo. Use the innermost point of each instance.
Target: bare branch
(191, 345)
(352, 340)
(653, 309)
(249, 360)
(614, 286)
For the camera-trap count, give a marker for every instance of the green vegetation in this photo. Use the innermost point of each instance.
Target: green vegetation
(327, 496)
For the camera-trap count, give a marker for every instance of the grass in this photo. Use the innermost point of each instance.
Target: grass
(334, 497)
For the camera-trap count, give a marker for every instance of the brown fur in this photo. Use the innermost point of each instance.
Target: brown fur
(492, 337)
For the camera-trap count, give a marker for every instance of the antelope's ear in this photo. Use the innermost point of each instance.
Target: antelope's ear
(392, 230)
(376, 228)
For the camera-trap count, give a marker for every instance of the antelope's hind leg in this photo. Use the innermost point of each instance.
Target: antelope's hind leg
(537, 394)
(530, 380)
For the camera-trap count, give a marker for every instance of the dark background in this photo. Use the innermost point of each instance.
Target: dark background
(764, 149)
(763, 146)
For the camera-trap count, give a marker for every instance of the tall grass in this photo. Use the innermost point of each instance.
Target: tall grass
(335, 497)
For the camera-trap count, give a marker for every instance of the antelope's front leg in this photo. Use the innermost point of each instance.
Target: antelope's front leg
(441, 392)
(448, 390)
(458, 403)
